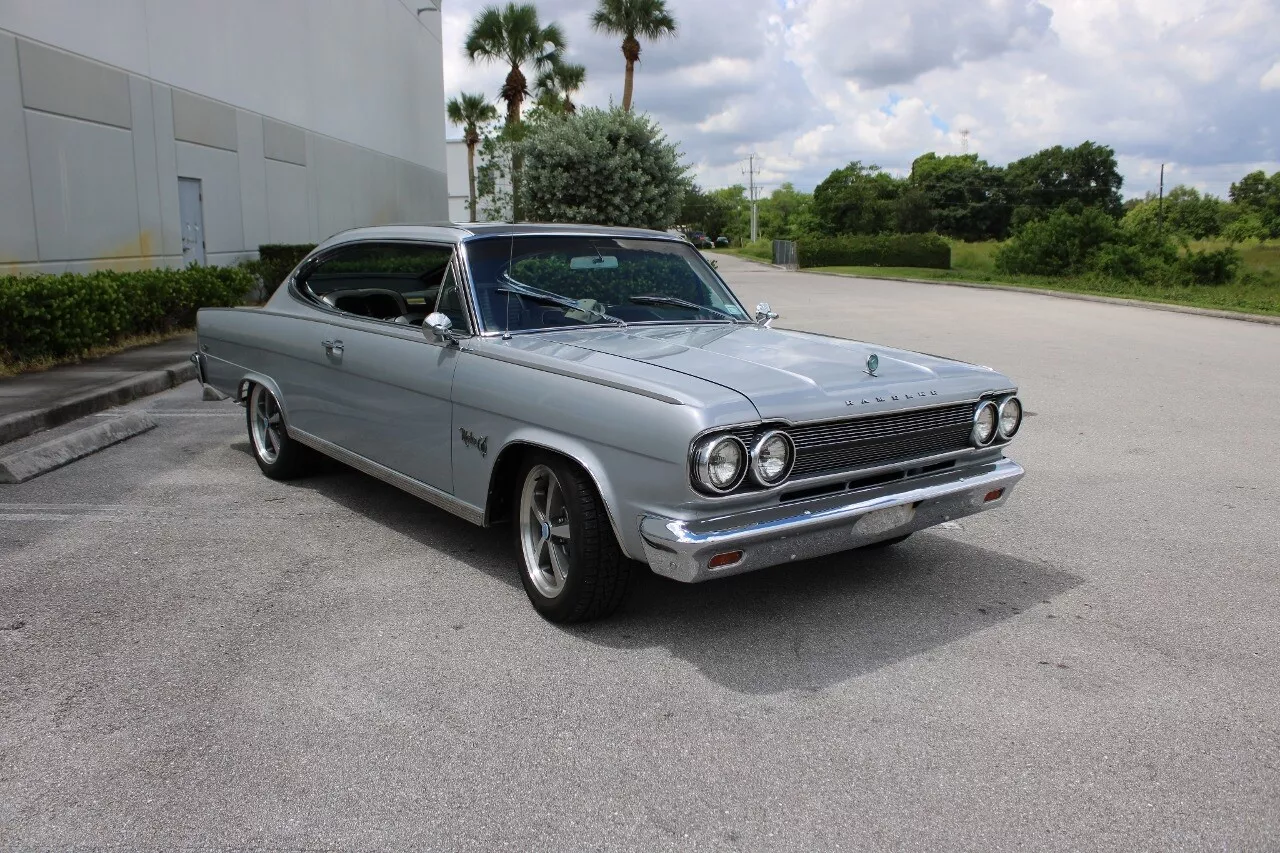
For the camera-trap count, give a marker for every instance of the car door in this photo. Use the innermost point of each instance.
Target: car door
(386, 388)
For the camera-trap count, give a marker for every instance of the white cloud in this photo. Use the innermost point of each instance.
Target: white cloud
(813, 84)
(1270, 80)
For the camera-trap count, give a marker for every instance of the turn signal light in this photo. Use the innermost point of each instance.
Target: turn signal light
(719, 561)
(993, 495)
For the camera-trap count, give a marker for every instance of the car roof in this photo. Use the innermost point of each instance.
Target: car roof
(458, 232)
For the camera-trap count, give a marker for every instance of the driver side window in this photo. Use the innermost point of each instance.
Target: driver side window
(392, 282)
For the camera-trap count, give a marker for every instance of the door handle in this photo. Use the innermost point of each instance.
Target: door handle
(333, 347)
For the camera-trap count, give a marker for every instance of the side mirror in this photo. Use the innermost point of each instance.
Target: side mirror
(438, 327)
(763, 315)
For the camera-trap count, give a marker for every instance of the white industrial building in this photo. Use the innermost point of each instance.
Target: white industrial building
(138, 133)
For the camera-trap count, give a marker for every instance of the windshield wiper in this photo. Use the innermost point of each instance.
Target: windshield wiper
(683, 303)
(532, 292)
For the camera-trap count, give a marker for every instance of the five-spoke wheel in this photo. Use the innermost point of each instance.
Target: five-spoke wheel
(544, 531)
(279, 456)
(572, 567)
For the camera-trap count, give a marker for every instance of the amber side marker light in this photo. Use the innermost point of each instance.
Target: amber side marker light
(719, 561)
(993, 495)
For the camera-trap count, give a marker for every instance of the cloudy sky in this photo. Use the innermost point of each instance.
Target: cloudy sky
(811, 84)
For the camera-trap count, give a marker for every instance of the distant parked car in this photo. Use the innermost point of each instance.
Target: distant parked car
(722, 240)
(604, 394)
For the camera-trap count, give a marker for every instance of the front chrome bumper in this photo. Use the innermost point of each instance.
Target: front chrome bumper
(820, 526)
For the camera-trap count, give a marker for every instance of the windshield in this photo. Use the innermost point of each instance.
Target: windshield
(538, 282)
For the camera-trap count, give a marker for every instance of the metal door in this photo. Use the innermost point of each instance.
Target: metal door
(191, 210)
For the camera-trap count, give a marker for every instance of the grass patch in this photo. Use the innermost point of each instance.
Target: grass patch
(13, 368)
(1257, 293)
(751, 251)
(1261, 295)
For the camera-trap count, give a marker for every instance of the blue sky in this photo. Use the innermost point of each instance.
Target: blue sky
(812, 84)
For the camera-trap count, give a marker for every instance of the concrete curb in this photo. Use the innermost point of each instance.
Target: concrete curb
(23, 424)
(1066, 294)
(28, 464)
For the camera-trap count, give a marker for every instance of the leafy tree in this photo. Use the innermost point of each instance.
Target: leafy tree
(604, 167)
(1257, 199)
(1051, 178)
(968, 196)
(513, 35)
(787, 214)
(558, 84)
(633, 20)
(856, 199)
(469, 111)
(1184, 212)
(912, 213)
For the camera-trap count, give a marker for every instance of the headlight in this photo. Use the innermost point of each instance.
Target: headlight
(772, 457)
(1010, 417)
(720, 463)
(984, 423)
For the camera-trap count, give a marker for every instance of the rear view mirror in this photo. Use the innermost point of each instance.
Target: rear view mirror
(594, 262)
(438, 327)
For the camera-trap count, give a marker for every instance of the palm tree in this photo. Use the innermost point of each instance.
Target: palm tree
(513, 35)
(561, 80)
(633, 20)
(469, 112)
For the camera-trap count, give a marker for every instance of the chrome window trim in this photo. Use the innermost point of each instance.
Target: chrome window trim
(315, 259)
(484, 332)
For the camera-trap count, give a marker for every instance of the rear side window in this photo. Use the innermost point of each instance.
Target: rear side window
(393, 282)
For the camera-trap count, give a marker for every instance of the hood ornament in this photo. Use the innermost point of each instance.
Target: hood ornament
(873, 364)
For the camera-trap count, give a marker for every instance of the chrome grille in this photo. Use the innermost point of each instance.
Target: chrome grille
(831, 446)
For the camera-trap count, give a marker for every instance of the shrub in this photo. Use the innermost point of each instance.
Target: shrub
(602, 167)
(1210, 266)
(1059, 244)
(276, 261)
(885, 250)
(61, 316)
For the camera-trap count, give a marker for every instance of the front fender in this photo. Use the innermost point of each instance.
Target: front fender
(586, 457)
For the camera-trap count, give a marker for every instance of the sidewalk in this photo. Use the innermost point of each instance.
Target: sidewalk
(37, 401)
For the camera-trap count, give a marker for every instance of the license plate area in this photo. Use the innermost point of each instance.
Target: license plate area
(884, 520)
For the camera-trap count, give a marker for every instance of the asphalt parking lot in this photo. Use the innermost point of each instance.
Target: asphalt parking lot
(194, 656)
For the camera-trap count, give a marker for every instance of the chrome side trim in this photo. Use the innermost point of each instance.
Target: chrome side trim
(430, 494)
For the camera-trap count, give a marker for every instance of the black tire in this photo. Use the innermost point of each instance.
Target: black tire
(279, 457)
(596, 574)
(888, 543)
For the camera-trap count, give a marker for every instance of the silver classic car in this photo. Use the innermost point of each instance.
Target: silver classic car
(603, 393)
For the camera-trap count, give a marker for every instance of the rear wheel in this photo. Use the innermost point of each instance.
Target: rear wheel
(279, 457)
(571, 566)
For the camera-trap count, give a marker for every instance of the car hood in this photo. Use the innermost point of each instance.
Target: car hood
(788, 374)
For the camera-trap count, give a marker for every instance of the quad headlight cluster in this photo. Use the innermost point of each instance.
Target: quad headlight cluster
(722, 462)
(996, 419)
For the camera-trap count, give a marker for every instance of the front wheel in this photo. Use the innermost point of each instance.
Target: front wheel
(571, 566)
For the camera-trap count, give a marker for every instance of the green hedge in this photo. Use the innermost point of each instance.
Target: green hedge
(883, 250)
(277, 260)
(64, 316)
